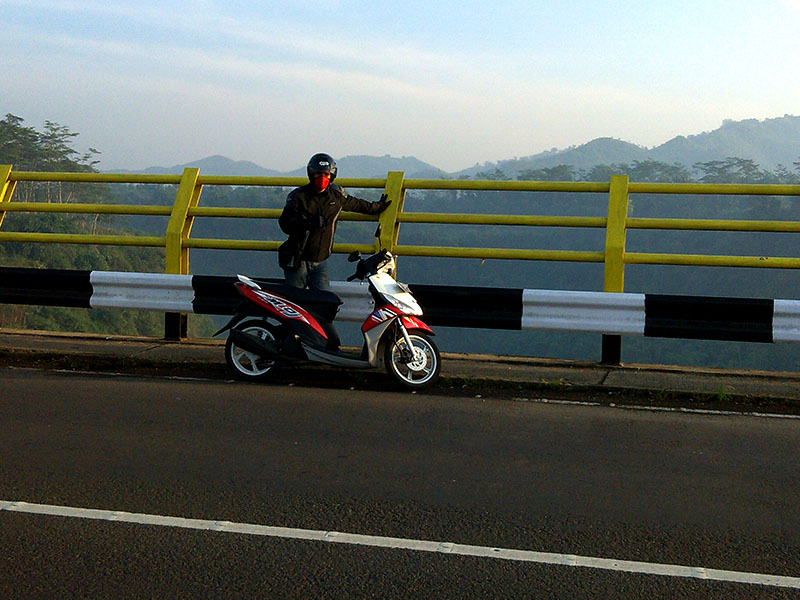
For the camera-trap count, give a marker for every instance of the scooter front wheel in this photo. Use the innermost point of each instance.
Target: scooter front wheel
(416, 367)
(249, 366)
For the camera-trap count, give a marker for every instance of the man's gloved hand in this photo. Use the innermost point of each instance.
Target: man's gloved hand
(384, 203)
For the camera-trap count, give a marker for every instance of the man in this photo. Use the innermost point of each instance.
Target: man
(309, 219)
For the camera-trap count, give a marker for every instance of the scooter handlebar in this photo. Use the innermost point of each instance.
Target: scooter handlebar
(369, 265)
(361, 271)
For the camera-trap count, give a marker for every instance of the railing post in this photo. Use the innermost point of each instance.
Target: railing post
(614, 274)
(390, 228)
(177, 255)
(6, 189)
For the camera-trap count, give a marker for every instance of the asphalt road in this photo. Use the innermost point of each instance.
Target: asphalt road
(718, 492)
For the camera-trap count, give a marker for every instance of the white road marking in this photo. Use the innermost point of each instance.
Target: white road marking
(407, 544)
(671, 409)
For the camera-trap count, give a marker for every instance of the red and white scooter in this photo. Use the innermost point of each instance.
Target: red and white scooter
(277, 324)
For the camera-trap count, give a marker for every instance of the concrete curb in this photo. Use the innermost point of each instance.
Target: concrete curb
(524, 374)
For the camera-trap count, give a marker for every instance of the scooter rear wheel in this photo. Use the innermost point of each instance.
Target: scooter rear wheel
(249, 366)
(417, 370)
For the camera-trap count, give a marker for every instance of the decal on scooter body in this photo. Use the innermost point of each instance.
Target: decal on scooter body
(385, 313)
(280, 307)
(380, 315)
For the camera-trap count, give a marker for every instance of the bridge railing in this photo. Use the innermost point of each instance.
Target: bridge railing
(177, 240)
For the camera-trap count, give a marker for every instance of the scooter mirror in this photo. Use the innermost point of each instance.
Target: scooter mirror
(354, 256)
(378, 231)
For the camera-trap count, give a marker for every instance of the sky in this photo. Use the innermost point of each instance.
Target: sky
(454, 84)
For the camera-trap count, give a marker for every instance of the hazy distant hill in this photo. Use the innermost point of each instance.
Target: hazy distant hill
(218, 165)
(349, 166)
(600, 151)
(377, 166)
(769, 143)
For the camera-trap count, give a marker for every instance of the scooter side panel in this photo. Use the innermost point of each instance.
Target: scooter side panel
(372, 338)
(281, 308)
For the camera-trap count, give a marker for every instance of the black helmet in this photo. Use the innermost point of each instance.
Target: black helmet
(321, 163)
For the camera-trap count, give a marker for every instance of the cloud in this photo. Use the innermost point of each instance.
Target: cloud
(148, 80)
(239, 49)
(289, 62)
(268, 108)
(127, 10)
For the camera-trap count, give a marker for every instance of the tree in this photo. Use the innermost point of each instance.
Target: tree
(57, 153)
(496, 175)
(654, 171)
(731, 170)
(18, 144)
(49, 150)
(556, 173)
(604, 172)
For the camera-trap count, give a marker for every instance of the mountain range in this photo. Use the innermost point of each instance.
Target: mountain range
(769, 143)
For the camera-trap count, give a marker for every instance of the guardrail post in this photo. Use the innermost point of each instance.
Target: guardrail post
(6, 189)
(177, 260)
(390, 228)
(614, 275)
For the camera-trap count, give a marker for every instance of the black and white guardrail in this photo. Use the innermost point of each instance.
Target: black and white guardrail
(649, 315)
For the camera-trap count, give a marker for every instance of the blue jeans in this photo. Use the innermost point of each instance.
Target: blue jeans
(311, 274)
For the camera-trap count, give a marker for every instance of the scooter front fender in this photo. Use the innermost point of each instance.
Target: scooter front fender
(411, 323)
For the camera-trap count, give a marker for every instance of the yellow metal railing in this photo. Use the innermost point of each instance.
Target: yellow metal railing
(177, 240)
(713, 225)
(517, 220)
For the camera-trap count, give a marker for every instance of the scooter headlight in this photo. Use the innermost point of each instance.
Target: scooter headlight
(408, 304)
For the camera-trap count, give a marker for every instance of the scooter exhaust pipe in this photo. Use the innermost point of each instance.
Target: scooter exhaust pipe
(251, 343)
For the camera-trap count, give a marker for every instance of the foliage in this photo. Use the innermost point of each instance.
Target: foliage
(51, 150)
(730, 170)
(556, 173)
